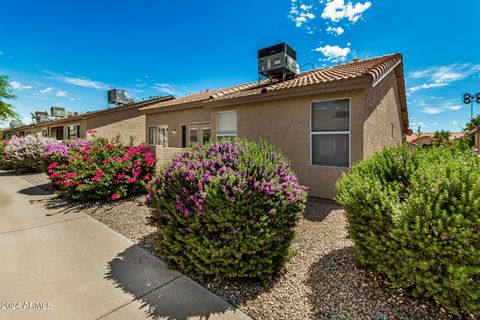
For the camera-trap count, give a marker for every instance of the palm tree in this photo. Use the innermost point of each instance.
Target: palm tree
(441, 138)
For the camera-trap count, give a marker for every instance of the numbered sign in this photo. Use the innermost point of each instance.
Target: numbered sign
(470, 98)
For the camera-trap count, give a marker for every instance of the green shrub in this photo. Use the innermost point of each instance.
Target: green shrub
(414, 218)
(3, 144)
(227, 210)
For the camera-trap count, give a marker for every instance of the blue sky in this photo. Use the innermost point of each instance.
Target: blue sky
(68, 53)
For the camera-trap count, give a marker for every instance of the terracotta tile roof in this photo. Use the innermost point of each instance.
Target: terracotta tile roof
(89, 114)
(376, 68)
(427, 137)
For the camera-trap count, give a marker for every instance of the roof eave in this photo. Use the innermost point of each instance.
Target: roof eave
(322, 88)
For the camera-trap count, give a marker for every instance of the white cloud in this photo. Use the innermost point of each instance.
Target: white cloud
(453, 107)
(434, 123)
(335, 30)
(61, 93)
(46, 90)
(165, 88)
(78, 81)
(333, 52)
(440, 106)
(426, 86)
(301, 14)
(441, 76)
(432, 110)
(19, 86)
(336, 10)
(454, 122)
(305, 7)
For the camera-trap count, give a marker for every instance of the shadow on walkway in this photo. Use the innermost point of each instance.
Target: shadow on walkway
(162, 292)
(38, 190)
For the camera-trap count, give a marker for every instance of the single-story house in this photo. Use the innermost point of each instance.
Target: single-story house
(425, 138)
(475, 132)
(323, 120)
(124, 120)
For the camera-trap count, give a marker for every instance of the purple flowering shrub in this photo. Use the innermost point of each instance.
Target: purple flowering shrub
(227, 210)
(25, 154)
(58, 151)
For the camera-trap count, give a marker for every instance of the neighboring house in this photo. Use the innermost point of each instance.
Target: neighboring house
(476, 135)
(324, 120)
(124, 120)
(425, 138)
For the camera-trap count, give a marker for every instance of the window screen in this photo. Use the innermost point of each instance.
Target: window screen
(330, 135)
(227, 123)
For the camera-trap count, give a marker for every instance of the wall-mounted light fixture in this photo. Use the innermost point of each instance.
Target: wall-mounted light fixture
(174, 131)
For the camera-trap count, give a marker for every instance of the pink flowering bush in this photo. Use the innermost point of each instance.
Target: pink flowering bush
(24, 154)
(227, 210)
(3, 144)
(103, 169)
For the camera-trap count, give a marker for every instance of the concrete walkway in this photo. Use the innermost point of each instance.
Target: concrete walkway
(56, 264)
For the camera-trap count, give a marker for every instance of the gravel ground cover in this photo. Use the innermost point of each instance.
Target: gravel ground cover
(322, 281)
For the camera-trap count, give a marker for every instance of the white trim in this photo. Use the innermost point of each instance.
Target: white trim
(374, 84)
(332, 132)
(189, 128)
(205, 127)
(68, 130)
(157, 127)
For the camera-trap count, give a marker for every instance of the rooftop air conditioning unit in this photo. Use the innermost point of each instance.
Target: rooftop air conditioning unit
(15, 123)
(278, 62)
(58, 112)
(117, 96)
(41, 116)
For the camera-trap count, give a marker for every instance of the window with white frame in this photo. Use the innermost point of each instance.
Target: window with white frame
(226, 124)
(192, 136)
(158, 135)
(73, 131)
(206, 134)
(330, 133)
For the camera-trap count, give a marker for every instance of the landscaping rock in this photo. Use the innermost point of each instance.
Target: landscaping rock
(323, 280)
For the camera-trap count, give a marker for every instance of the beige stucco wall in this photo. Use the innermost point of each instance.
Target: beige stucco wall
(164, 155)
(175, 120)
(382, 109)
(286, 124)
(127, 123)
(80, 122)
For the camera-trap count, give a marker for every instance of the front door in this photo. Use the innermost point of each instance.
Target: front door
(57, 133)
